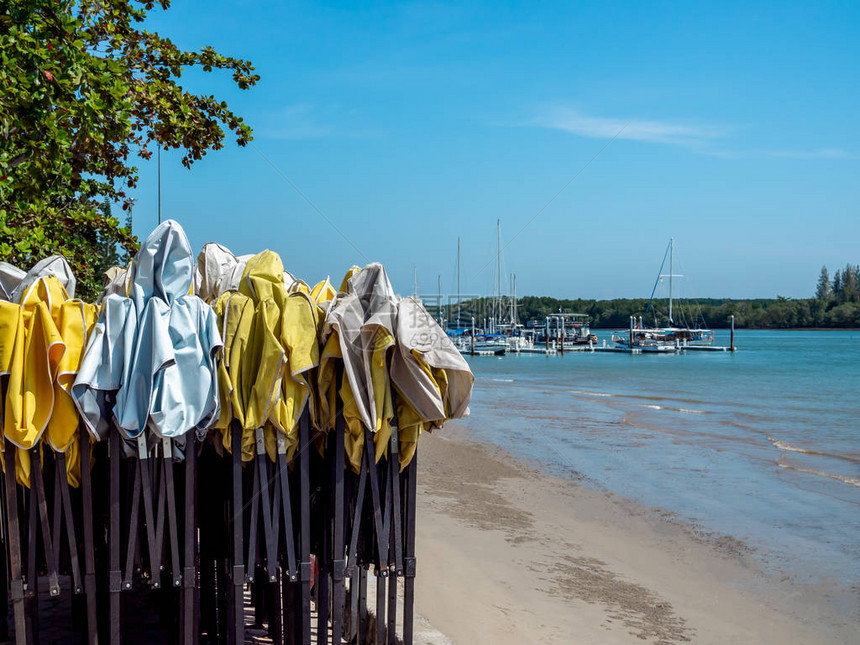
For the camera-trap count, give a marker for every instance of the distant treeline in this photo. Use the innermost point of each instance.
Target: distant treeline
(836, 304)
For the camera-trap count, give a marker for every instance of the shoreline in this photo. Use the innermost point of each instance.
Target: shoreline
(737, 329)
(510, 554)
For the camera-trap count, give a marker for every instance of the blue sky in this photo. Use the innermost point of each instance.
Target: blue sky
(409, 125)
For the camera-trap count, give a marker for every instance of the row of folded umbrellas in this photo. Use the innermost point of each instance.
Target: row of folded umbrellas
(214, 346)
(179, 357)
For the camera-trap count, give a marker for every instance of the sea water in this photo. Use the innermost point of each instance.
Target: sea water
(762, 444)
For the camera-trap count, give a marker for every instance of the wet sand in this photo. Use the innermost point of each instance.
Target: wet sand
(507, 554)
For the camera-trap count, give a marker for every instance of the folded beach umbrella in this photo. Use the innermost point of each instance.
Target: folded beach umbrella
(150, 371)
(298, 286)
(153, 351)
(359, 329)
(344, 284)
(235, 315)
(116, 283)
(323, 291)
(54, 330)
(55, 265)
(10, 277)
(263, 282)
(432, 378)
(270, 343)
(218, 271)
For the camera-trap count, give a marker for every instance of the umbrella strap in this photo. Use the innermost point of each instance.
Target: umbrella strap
(61, 490)
(266, 508)
(286, 502)
(89, 548)
(37, 490)
(16, 582)
(170, 494)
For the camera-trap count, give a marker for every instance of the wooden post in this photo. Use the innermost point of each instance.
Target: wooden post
(473, 335)
(547, 334)
(562, 336)
(732, 340)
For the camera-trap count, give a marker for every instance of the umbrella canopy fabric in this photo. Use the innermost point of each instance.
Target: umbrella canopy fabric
(116, 283)
(432, 378)
(10, 277)
(154, 351)
(270, 337)
(218, 271)
(43, 338)
(359, 330)
(55, 265)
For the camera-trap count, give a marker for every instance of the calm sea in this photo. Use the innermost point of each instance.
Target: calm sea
(762, 444)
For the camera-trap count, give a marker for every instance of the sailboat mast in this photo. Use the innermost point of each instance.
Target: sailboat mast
(458, 281)
(499, 266)
(439, 296)
(671, 274)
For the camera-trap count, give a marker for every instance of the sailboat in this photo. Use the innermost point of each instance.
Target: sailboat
(672, 337)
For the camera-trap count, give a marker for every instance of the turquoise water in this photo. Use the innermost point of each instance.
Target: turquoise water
(762, 444)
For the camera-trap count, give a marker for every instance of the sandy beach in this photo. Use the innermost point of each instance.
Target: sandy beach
(509, 554)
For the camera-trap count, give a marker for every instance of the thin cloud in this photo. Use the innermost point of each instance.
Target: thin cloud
(822, 153)
(597, 127)
(708, 139)
(298, 121)
(309, 121)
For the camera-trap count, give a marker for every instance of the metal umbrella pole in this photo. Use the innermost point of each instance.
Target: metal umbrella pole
(189, 571)
(16, 583)
(236, 610)
(89, 548)
(305, 529)
(114, 572)
(338, 562)
(63, 513)
(410, 486)
(381, 531)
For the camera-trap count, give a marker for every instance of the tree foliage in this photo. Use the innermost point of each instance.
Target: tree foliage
(823, 289)
(83, 90)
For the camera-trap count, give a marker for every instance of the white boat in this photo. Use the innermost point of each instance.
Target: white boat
(670, 338)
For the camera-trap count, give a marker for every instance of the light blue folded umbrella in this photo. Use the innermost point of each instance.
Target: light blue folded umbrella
(152, 353)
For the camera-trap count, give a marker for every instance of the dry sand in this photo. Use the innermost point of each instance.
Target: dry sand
(507, 554)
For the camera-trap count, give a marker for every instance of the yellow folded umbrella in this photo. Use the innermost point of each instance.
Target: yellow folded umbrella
(42, 368)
